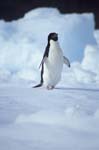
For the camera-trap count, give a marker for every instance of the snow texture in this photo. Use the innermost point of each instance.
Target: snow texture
(23, 43)
(66, 118)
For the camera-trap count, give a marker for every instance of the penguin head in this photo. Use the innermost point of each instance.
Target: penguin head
(53, 36)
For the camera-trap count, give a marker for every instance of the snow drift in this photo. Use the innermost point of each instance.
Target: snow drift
(23, 43)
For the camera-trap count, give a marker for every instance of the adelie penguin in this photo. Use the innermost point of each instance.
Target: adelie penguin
(52, 63)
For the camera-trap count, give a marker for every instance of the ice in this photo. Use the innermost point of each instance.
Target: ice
(96, 34)
(23, 41)
(91, 60)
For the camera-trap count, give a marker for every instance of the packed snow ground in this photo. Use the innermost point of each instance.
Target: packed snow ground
(66, 118)
(38, 119)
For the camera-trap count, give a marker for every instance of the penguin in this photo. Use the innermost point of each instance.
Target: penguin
(52, 63)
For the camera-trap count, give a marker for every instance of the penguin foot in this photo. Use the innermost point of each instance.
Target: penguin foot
(50, 87)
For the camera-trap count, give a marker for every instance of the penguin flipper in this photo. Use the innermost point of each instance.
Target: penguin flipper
(42, 62)
(66, 61)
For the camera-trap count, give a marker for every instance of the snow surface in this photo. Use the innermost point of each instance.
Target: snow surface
(38, 119)
(66, 118)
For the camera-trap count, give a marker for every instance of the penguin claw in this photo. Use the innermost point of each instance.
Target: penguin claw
(50, 87)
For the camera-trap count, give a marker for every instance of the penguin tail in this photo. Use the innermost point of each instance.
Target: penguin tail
(38, 85)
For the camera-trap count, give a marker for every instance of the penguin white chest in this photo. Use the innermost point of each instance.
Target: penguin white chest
(53, 65)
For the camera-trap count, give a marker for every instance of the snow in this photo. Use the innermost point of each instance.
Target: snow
(39, 119)
(23, 41)
(96, 34)
(64, 118)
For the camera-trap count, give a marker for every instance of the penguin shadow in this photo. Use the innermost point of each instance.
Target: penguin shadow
(77, 89)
